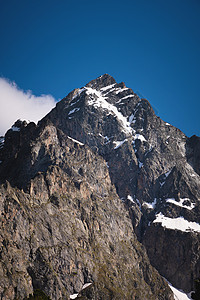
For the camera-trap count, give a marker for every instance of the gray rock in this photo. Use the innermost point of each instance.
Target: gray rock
(67, 227)
(95, 172)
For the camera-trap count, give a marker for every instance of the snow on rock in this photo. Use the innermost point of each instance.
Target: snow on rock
(79, 91)
(149, 150)
(14, 128)
(108, 87)
(126, 97)
(73, 103)
(110, 91)
(106, 138)
(74, 296)
(86, 285)
(2, 140)
(73, 110)
(167, 173)
(181, 203)
(120, 90)
(130, 198)
(75, 141)
(100, 101)
(178, 294)
(131, 119)
(140, 164)
(133, 143)
(177, 223)
(119, 143)
(25, 121)
(139, 137)
(139, 204)
(151, 205)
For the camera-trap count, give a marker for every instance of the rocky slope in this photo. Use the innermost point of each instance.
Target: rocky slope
(154, 166)
(100, 167)
(63, 226)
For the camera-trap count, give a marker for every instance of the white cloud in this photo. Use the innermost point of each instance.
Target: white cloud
(18, 104)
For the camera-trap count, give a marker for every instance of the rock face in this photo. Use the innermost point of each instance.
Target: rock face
(67, 227)
(80, 192)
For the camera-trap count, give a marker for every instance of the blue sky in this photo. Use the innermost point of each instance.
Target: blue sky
(52, 47)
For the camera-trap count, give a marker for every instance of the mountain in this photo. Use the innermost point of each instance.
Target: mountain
(99, 200)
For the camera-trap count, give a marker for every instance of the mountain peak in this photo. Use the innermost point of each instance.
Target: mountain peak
(101, 81)
(94, 178)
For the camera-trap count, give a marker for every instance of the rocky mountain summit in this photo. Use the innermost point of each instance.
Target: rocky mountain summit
(99, 200)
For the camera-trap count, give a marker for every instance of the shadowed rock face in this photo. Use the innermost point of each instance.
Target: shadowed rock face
(185, 249)
(98, 174)
(193, 152)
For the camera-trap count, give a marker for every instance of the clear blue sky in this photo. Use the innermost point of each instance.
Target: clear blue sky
(52, 47)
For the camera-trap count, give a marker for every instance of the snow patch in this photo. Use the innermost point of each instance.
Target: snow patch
(73, 103)
(110, 91)
(130, 198)
(151, 205)
(86, 285)
(140, 164)
(14, 128)
(120, 90)
(73, 111)
(138, 202)
(74, 296)
(126, 97)
(178, 294)
(177, 223)
(107, 87)
(131, 118)
(105, 138)
(167, 173)
(75, 141)
(180, 203)
(133, 143)
(119, 143)
(139, 137)
(100, 101)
